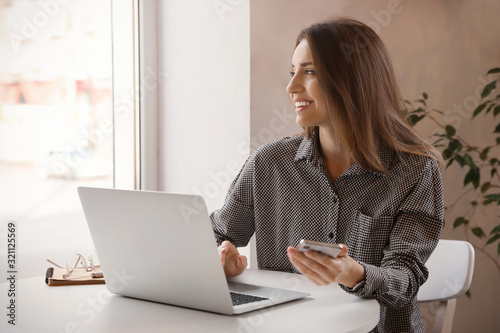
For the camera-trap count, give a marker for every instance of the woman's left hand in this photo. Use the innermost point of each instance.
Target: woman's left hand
(323, 270)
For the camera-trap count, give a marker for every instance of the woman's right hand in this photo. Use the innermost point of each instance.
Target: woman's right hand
(234, 264)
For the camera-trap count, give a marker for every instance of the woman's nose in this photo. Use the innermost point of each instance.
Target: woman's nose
(294, 85)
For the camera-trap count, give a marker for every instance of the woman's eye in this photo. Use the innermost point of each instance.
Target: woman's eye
(307, 71)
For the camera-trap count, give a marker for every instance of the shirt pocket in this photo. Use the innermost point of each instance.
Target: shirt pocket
(368, 237)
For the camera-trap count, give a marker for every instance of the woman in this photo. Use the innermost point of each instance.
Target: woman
(359, 175)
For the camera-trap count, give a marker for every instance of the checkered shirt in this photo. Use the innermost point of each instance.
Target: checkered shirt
(390, 222)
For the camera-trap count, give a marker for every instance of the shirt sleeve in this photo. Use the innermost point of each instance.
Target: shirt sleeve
(235, 220)
(417, 228)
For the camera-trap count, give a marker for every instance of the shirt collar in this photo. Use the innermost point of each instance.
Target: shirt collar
(309, 150)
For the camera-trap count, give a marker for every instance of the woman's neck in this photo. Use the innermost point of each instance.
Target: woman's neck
(336, 158)
(330, 148)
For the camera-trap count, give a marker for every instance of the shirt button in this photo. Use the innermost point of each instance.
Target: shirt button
(330, 235)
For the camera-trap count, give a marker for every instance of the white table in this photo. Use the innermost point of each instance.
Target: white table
(91, 308)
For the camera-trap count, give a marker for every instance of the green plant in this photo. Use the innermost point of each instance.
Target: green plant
(480, 164)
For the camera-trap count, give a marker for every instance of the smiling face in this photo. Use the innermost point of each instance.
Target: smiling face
(304, 90)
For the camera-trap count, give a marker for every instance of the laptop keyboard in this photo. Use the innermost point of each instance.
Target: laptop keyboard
(239, 299)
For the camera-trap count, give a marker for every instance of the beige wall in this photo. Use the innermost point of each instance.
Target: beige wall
(441, 47)
(204, 102)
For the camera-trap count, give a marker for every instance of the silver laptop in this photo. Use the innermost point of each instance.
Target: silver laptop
(160, 247)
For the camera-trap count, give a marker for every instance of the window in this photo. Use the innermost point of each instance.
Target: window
(56, 121)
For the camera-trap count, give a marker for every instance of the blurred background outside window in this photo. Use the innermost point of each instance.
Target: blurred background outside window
(56, 119)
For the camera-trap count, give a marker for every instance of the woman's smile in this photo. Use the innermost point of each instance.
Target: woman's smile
(301, 105)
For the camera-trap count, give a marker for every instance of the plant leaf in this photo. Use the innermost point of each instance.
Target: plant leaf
(495, 230)
(493, 239)
(447, 153)
(459, 221)
(495, 196)
(455, 145)
(488, 89)
(468, 160)
(473, 176)
(485, 187)
(438, 141)
(494, 70)
(492, 198)
(479, 109)
(484, 154)
(496, 111)
(427, 96)
(478, 232)
(450, 131)
(497, 129)
(460, 160)
(414, 119)
(489, 108)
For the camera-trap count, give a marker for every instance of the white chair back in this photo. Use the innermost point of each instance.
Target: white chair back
(450, 271)
(451, 267)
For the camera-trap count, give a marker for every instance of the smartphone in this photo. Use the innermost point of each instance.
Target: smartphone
(331, 250)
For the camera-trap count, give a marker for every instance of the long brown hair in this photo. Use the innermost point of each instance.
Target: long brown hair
(361, 92)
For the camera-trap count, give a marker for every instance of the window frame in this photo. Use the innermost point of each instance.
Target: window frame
(135, 94)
